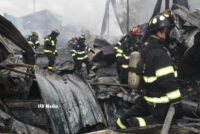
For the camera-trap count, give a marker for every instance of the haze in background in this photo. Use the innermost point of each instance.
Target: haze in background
(83, 15)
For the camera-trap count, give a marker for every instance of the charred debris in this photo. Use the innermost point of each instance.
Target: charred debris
(36, 101)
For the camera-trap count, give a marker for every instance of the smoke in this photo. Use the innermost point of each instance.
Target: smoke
(82, 13)
(87, 14)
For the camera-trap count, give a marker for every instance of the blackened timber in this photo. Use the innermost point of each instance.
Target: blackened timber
(157, 8)
(166, 4)
(110, 84)
(19, 64)
(14, 70)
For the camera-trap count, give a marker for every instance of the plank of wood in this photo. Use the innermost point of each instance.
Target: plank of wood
(107, 131)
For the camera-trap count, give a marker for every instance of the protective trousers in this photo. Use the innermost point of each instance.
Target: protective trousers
(78, 64)
(51, 57)
(138, 114)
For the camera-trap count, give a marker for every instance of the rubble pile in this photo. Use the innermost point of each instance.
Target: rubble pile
(36, 101)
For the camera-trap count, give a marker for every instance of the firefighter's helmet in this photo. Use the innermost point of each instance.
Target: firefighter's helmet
(55, 32)
(82, 38)
(136, 31)
(35, 34)
(163, 20)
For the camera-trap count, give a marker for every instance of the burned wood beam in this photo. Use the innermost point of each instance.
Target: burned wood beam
(166, 4)
(107, 131)
(157, 8)
(14, 70)
(168, 120)
(19, 64)
(191, 119)
(156, 129)
(3, 106)
(110, 84)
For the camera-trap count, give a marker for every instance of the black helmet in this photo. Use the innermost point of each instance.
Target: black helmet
(55, 33)
(163, 20)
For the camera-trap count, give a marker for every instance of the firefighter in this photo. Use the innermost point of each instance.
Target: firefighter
(50, 47)
(80, 52)
(34, 43)
(119, 54)
(123, 49)
(160, 88)
(33, 40)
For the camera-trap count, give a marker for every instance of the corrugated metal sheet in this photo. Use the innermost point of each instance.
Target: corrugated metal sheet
(77, 106)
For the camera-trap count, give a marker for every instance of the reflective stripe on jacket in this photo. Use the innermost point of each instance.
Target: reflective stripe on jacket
(159, 74)
(80, 51)
(50, 45)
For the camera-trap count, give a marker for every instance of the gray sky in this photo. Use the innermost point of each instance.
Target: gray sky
(87, 13)
(63, 7)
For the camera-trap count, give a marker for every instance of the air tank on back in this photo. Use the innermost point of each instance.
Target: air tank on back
(133, 77)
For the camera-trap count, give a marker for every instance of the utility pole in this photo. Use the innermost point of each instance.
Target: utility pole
(33, 5)
(127, 23)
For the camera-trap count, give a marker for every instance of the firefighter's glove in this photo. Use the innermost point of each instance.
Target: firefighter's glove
(119, 124)
(55, 53)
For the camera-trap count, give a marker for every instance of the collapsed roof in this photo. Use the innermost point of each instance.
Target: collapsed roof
(71, 103)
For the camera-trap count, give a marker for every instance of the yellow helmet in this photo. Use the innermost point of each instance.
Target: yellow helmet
(35, 34)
